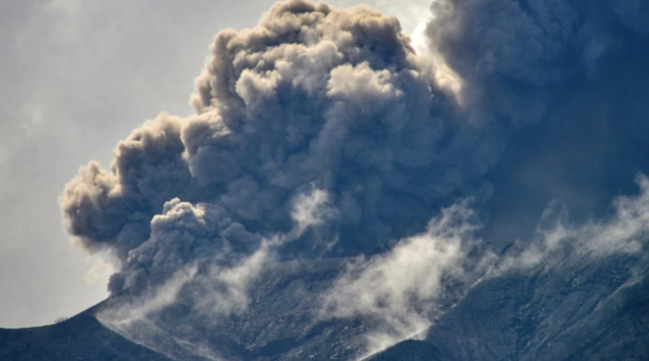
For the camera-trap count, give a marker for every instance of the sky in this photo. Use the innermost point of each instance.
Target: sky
(77, 77)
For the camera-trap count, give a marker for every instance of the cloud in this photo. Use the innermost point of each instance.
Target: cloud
(623, 231)
(512, 54)
(311, 210)
(312, 96)
(557, 84)
(400, 288)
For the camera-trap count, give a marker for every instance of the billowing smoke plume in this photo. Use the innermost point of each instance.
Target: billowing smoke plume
(571, 76)
(321, 135)
(311, 97)
(513, 54)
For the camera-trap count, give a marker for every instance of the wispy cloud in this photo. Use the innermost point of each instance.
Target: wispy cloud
(623, 231)
(398, 289)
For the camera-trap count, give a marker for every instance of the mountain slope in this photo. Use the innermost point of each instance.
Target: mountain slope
(80, 338)
(623, 334)
(410, 350)
(572, 311)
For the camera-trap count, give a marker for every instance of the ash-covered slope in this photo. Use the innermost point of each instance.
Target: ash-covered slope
(410, 350)
(573, 311)
(282, 319)
(79, 338)
(569, 312)
(621, 334)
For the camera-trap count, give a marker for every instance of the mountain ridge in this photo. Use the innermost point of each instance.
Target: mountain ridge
(595, 311)
(79, 338)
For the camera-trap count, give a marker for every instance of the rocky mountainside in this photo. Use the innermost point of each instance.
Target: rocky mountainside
(569, 311)
(80, 338)
(598, 311)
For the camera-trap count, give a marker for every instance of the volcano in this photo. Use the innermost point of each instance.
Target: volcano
(598, 311)
(339, 195)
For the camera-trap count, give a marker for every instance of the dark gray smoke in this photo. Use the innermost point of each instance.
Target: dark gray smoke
(311, 97)
(573, 76)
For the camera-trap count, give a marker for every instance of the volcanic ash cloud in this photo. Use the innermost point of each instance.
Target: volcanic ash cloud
(311, 98)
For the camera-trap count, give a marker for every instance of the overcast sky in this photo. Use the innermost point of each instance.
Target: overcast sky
(77, 76)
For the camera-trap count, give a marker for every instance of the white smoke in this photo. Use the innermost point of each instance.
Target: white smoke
(625, 230)
(400, 288)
